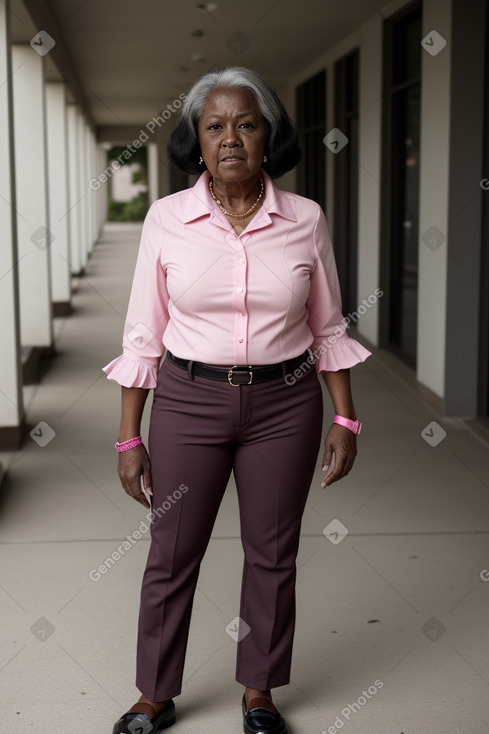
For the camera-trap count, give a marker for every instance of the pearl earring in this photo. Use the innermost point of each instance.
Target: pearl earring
(201, 160)
(265, 159)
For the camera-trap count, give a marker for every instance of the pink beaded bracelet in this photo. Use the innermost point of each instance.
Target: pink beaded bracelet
(129, 444)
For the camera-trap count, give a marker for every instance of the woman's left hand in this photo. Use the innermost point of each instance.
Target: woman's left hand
(343, 443)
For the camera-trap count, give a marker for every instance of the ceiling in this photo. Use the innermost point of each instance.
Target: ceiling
(125, 60)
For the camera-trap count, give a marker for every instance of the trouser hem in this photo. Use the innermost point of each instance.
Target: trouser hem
(159, 697)
(262, 686)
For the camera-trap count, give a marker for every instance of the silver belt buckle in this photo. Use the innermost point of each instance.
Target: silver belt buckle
(234, 384)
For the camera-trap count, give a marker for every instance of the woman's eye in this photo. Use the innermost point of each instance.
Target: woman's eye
(217, 126)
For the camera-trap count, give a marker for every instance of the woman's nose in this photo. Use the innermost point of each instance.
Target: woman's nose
(230, 138)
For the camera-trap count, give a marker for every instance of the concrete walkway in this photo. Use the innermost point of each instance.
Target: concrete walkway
(392, 630)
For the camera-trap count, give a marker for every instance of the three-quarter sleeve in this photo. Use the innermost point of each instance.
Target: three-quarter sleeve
(333, 349)
(147, 313)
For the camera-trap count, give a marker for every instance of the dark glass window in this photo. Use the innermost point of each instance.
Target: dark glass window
(401, 183)
(345, 239)
(483, 398)
(311, 125)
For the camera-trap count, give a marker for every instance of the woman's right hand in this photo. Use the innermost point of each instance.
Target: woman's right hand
(134, 464)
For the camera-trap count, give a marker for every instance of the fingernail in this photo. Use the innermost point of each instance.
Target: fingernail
(325, 467)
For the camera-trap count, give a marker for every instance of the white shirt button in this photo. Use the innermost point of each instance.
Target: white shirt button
(240, 290)
(241, 260)
(240, 340)
(243, 314)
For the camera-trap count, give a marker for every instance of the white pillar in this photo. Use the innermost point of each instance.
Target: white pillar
(11, 406)
(152, 172)
(34, 236)
(91, 198)
(89, 192)
(57, 135)
(83, 183)
(101, 215)
(74, 189)
(95, 173)
(103, 191)
(94, 194)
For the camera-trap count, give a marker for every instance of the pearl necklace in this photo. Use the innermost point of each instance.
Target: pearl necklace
(229, 214)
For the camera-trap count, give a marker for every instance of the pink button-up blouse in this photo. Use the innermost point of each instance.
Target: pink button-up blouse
(209, 295)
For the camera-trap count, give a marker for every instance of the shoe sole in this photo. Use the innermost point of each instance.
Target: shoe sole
(166, 724)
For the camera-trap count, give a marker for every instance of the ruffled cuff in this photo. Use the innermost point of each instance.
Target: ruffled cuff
(333, 353)
(130, 373)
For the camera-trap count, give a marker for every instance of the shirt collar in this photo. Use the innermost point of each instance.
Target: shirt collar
(199, 201)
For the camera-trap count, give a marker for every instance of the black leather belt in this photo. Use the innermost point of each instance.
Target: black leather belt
(241, 375)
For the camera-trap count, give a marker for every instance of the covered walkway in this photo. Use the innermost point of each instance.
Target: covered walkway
(392, 617)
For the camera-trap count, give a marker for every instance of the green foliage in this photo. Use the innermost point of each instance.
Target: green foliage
(140, 155)
(128, 211)
(134, 210)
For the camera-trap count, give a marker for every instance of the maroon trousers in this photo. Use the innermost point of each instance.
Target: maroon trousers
(268, 434)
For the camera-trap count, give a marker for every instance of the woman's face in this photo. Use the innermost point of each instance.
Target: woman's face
(232, 134)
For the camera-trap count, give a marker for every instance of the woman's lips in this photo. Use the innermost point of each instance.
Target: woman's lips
(231, 160)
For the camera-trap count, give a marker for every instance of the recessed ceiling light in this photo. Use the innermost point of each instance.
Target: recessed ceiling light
(210, 7)
(197, 33)
(197, 57)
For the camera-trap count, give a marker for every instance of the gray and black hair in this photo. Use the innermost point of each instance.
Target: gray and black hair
(281, 147)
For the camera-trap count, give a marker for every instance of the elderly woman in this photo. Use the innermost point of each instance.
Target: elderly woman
(237, 280)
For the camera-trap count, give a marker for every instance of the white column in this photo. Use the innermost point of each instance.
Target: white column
(89, 192)
(34, 236)
(104, 191)
(74, 189)
(83, 184)
(57, 135)
(11, 407)
(152, 172)
(97, 194)
(101, 188)
(94, 194)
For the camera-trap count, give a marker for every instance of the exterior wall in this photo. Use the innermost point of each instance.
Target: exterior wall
(368, 39)
(369, 189)
(434, 174)
(448, 285)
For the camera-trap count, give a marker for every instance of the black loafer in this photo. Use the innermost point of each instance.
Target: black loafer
(134, 723)
(262, 721)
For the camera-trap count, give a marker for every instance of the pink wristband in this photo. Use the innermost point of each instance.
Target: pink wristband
(129, 444)
(354, 426)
